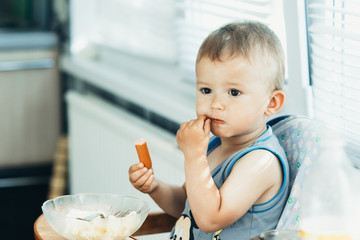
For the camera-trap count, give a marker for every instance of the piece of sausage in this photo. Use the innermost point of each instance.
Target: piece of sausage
(143, 153)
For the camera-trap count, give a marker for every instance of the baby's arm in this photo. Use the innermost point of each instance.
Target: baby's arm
(170, 198)
(251, 178)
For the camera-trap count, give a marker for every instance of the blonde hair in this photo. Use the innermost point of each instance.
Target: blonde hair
(253, 41)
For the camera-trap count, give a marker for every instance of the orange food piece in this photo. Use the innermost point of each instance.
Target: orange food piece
(143, 153)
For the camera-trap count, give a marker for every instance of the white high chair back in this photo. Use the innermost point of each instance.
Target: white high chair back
(300, 137)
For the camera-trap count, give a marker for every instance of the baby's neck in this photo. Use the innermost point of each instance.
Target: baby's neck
(229, 146)
(242, 141)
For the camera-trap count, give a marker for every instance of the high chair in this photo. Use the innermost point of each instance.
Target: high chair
(300, 137)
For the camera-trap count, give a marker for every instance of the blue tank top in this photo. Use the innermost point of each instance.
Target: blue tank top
(258, 218)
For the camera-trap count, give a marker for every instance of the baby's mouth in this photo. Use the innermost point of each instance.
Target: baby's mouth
(216, 120)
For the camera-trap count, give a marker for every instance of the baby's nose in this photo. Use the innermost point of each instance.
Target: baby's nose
(217, 104)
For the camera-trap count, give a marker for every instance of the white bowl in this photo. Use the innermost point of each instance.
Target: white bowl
(124, 216)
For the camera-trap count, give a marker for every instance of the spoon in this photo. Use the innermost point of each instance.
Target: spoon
(91, 217)
(95, 215)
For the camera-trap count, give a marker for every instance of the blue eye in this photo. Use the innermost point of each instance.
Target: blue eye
(206, 90)
(234, 92)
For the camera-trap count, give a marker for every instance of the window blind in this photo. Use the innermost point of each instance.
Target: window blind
(334, 52)
(197, 18)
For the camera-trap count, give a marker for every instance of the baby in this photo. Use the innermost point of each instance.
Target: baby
(236, 182)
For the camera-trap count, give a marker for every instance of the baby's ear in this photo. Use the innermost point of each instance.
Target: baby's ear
(277, 100)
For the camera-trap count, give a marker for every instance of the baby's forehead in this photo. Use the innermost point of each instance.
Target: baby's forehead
(258, 61)
(253, 59)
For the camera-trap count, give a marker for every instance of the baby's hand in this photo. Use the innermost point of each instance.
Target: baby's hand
(142, 178)
(193, 137)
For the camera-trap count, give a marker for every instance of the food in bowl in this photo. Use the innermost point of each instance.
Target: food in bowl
(110, 227)
(123, 215)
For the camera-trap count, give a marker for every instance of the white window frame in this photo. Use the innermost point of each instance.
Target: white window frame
(298, 89)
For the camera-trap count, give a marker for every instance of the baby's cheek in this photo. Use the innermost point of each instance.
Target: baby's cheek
(200, 109)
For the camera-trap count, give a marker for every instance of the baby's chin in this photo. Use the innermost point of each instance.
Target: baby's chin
(218, 132)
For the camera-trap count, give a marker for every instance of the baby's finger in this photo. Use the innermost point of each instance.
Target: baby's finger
(207, 126)
(134, 176)
(146, 186)
(135, 167)
(140, 183)
(184, 125)
(181, 129)
(199, 122)
(202, 118)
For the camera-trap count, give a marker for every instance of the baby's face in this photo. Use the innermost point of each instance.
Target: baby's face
(234, 94)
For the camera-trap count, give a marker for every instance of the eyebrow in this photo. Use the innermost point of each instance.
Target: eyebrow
(232, 83)
(235, 83)
(201, 82)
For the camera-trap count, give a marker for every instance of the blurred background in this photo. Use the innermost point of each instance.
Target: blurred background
(30, 106)
(81, 80)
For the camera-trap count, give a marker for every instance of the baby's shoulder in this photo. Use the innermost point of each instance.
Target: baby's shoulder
(258, 156)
